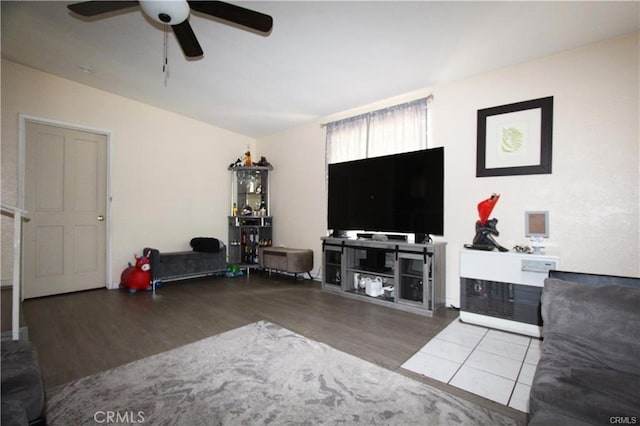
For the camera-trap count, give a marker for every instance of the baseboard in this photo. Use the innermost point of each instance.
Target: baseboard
(23, 334)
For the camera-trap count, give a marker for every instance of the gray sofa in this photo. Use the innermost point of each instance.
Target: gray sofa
(209, 256)
(22, 386)
(589, 370)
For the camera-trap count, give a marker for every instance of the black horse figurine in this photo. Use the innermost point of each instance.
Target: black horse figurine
(484, 236)
(486, 228)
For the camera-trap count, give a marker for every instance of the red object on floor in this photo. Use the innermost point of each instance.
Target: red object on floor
(137, 277)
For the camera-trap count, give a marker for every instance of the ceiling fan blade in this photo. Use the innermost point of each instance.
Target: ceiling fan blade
(93, 8)
(239, 15)
(187, 39)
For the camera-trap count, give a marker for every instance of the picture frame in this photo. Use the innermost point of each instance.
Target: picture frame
(536, 224)
(515, 139)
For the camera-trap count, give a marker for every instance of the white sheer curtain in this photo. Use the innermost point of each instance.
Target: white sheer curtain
(345, 139)
(400, 128)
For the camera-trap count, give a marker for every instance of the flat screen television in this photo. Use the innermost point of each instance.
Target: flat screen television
(395, 193)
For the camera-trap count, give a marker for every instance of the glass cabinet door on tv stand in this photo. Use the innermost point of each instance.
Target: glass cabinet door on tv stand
(332, 262)
(250, 223)
(415, 283)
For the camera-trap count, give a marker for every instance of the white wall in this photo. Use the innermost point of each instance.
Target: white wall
(298, 198)
(169, 178)
(593, 194)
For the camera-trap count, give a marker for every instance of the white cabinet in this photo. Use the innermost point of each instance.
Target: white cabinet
(502, 290)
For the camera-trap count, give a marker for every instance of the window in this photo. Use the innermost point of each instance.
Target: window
(400, 128)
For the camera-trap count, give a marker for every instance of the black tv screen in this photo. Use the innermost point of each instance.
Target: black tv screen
(394, 193)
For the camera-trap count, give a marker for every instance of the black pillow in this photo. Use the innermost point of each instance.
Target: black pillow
(206, 245)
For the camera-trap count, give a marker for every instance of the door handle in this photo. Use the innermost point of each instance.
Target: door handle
(101, 218)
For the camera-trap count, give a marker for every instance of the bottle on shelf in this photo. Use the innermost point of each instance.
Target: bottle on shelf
(251, 185)
(247, 157)
(234, 210)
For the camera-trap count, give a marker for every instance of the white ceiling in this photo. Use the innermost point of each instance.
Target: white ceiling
(320, 58)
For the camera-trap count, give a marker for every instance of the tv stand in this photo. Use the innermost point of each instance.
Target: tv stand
(382, 237)
(414, 274)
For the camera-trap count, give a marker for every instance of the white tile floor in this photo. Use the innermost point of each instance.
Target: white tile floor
(493, 364)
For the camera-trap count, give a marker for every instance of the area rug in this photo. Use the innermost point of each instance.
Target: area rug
(258, 374)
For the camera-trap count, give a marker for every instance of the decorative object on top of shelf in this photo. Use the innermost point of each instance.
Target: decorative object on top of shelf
(536, 228)
(263, 162)
(245, 161)
(238, 163)
(486, 228)
(247, 158)
(523, 249)
(515, 139)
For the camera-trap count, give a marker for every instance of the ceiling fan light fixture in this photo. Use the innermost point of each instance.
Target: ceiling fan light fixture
(174, 13)
(166, 12)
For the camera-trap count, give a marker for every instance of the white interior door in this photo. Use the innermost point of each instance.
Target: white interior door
(65, 195)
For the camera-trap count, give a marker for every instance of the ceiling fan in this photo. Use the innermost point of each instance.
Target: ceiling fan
(175, 13)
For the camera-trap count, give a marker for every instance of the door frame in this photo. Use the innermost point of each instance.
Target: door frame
(23, 119)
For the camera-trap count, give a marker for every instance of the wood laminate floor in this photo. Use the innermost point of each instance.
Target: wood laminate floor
(84, 333)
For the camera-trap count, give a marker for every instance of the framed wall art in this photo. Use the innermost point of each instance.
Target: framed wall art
(515, 139)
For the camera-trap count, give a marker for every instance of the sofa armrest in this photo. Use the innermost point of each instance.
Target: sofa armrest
(594, 280)
(597, 322)
(589, 368)
(22, 380)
